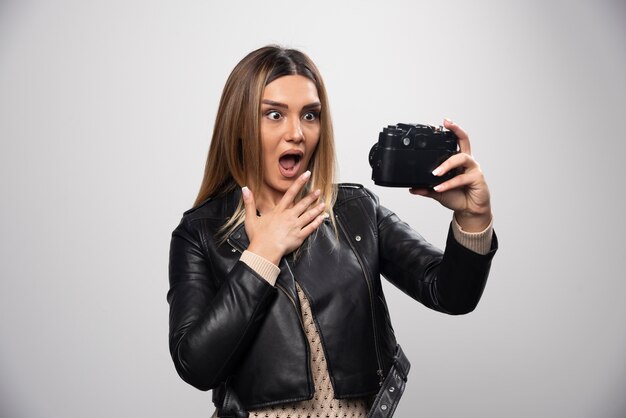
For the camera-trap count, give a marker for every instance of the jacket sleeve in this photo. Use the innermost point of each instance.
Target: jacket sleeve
(450, 281)
(211, 321)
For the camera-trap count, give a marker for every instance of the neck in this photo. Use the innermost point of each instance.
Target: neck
(267, 199)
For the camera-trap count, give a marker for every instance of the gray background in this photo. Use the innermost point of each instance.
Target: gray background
(106, 109)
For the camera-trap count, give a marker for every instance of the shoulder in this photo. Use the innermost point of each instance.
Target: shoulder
(356, 200)
(347, 192)
(216, 209)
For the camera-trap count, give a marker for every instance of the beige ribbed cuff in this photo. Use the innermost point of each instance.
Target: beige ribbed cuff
(479, 242)
(266, 269)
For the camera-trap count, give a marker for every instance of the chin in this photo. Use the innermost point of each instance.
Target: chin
(279, 186)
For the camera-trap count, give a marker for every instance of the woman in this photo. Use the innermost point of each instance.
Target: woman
(275, 295)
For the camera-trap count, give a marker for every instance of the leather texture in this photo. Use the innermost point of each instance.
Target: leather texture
(390, 392)
(232, 331)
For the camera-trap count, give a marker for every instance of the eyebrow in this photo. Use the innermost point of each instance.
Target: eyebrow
(313, 105)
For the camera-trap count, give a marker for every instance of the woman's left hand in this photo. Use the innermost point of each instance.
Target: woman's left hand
(467, 193)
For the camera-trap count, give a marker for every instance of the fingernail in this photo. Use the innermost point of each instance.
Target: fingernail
(245, 191)
(326, 215)
(306, 174)
(437, 171)
(448, 120)
(437, 187)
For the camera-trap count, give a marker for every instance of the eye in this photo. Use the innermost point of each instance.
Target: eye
(310, 116)
(273, 115)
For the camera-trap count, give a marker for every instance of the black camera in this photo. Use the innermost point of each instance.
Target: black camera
(406, 154)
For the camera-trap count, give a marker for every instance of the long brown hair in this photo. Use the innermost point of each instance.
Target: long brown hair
(235, 156)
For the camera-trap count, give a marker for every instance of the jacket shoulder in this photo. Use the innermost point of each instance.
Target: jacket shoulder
(350, 191)
(206, 209)
(215, 207)
(199, 208)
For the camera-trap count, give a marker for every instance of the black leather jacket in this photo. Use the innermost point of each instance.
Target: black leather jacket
(232, 331)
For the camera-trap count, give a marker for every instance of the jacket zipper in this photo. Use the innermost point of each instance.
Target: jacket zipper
(278, 286)
(299, 315)
(235, 246)
(379, 372)
(295, 307)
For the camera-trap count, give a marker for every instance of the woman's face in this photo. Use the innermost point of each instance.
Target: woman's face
(290, 131)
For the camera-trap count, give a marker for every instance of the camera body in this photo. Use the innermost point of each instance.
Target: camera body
(406, 154)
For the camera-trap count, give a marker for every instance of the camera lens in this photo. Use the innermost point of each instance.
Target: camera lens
(372, 156)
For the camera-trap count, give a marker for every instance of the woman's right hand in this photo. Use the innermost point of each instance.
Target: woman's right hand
(284, 228)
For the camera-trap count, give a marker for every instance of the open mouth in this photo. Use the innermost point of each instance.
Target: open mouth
(289, 163)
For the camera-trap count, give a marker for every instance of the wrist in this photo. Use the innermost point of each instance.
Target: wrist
(266, 269)
(473, 222)
(271, 254)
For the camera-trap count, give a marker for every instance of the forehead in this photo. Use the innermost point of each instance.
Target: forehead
(291, 88)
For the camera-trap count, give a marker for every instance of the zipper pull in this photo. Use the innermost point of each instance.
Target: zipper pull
(379, 372)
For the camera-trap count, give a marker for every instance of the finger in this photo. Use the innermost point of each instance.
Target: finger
(249, 204)
(425, 192)
(455, 161)
(290, 195)
(456, 182)
(421, 191)
(311, 214)
(306, 202)
(313, 225)
(464, 142)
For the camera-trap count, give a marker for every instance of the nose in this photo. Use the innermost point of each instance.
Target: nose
(294, 131)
